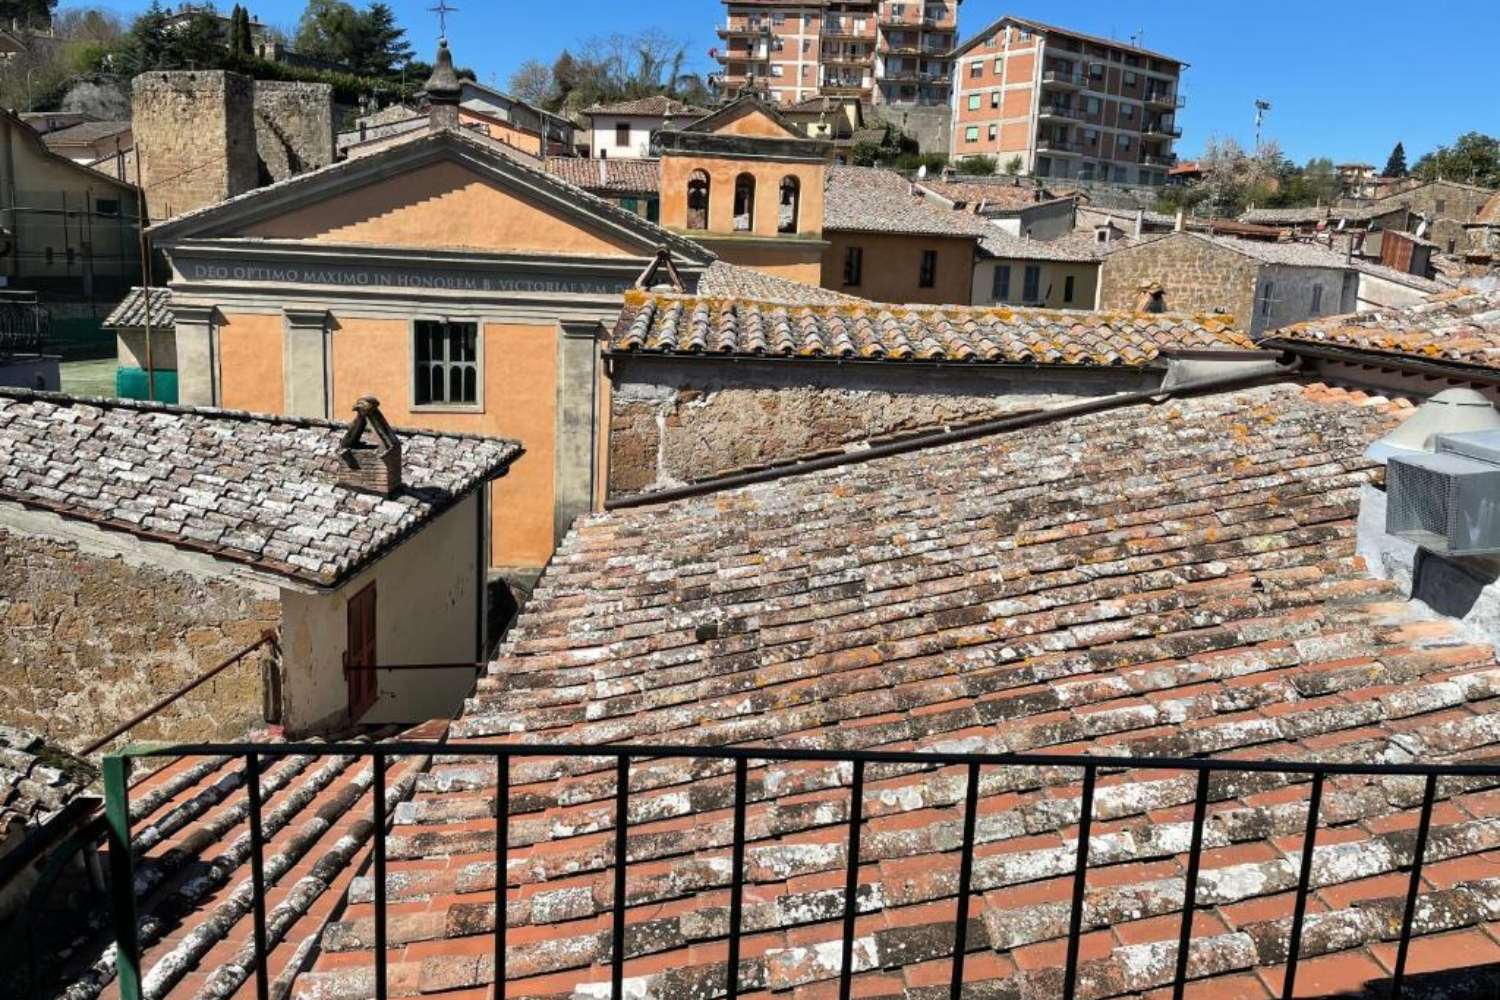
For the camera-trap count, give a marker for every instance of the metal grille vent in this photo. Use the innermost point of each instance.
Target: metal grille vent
(1446, 502)
(1420, 501)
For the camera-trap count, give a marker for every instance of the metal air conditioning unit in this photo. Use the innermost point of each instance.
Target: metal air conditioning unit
(1447, 500)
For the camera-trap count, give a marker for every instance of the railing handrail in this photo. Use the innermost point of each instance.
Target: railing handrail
(267, 636)
(402, 748)
(116, 768)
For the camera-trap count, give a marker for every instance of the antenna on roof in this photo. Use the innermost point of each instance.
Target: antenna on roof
(442, 10)
(1261, 107)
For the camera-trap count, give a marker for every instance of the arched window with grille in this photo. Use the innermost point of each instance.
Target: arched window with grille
(744, 203)
(697, 200)
(790, 205)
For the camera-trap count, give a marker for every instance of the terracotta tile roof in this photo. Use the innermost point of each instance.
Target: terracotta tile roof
(250, 488)
(36, 782)
(722, 279)
(655, 106)
(873, 200)
(1462, 327)
(996, 195)
(131, 312)
(609, 176)
(1081, 245)
(1158, 580)
(704, 325)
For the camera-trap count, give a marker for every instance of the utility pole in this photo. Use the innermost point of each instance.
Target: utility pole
(1261, 107)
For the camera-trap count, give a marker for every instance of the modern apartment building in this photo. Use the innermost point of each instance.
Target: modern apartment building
(880, 51)
(1068, 104)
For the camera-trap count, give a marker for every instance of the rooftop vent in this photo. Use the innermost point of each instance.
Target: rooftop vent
(374, 467)
(1452, 411)
(1448, 500)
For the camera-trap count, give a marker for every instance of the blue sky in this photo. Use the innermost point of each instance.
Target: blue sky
(1337, 74)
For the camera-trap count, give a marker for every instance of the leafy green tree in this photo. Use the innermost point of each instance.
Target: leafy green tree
(977, 165)
(1395, 165)
(1014, 164)
(368, 41)
(1474, 158)
(865, 154)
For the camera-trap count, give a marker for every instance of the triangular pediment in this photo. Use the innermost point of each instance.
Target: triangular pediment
(441, 190)
(747, 116)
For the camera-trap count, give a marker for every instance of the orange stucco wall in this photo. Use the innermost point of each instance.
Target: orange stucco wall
(372, 357)
(439, 205)
(757, 124)
(722, 172)
(503, 131)
(250, 358)
(796, 261)
(892, 266)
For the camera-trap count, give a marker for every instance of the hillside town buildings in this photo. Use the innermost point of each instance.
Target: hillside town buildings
(1066, 104)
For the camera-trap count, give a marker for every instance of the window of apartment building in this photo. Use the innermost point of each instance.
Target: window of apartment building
(806, 46)
(994, 98)
(999, 66)
(1127, 112)
(1031, 283)
(1130, 79)
(1068, 288)
(1096, 71)
(1122, 143)
(976, 70)
(1119, 175)
(927, 273)
(1132, 60)
(447, 363)
(994, 131)
(859, 26)
(974, 100)
(1000, 283)
(777, 69)
(622, 133)
(854, 266)
(1091, 105)
(1091, 136)
(1265, 297)
(778, 19)
(971, 134)
(1317, 299)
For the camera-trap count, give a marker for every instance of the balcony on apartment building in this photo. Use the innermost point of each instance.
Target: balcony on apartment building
(745, 29)
(1161, 129)
(1056, 109)
(844, 58)
(1158, 159)
(1063, 79)
(1163, 99)
(846, 30)
(1055, 144)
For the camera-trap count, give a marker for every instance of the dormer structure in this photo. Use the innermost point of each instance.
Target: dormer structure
(748, 184)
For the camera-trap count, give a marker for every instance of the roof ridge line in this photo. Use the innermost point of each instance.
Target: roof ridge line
(922, 442)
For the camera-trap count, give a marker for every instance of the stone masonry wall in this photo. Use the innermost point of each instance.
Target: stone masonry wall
(87, 641)
(293, 127)
(1197, 276)
(195, 137)
(675, 421)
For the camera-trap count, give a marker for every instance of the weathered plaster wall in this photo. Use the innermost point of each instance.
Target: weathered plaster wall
(1052, 284)
(674, 420)
(893, 263)
(426, 594)
(1291, 293)
(722, 171)
(293, 127)
(98, 625)
(250, 359)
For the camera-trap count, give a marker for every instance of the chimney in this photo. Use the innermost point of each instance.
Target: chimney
(1140, 222)
(373, 467)
(603, 168)
(443, 91)
(1181, 222)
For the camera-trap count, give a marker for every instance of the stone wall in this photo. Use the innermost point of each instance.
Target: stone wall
(293, 127)
(195, 137)
(1447, 206)
(90, 639)
(675, 420)
(1197, 276)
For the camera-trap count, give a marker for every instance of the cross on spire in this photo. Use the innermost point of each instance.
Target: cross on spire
(442, 10)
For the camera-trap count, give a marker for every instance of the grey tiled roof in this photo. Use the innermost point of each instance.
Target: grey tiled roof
(655, 106)
(36, 781)
(1312, 214)
(872, 200)
(683, 324)
(250, 488)
(84, 133)
(722, 278)
(1081, 245)
(131, 312)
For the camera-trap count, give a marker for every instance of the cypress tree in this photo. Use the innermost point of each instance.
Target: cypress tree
(1396, 165)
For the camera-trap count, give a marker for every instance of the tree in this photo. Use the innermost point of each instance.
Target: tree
(977, 165)
(1395, 165)
(1474, 158)
(379, 44)
(239, 33)
(531, 82)
(1014, 164)
(27, 13)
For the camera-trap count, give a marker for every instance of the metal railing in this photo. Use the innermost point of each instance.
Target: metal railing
(24, 327)
(116, 774)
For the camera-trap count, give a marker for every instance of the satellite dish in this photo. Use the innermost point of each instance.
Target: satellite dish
(922, 172)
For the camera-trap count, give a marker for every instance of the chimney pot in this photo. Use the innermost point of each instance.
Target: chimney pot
(373, 467)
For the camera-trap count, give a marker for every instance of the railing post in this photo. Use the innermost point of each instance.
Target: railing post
(122, 875)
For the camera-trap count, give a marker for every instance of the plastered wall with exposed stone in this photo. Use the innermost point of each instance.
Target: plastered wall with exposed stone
(88, 640)
(672, 422)
(293, 127)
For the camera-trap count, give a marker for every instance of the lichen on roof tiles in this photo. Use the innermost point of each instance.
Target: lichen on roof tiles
(1459, 326)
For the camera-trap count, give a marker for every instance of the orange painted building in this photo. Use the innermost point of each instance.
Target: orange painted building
(746, 183)
(1066, 104)
(464, 287)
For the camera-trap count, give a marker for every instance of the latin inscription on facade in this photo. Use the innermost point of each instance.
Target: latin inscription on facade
(378, 277)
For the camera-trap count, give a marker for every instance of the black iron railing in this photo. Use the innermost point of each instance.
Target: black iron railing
(116, 774)
(24, 327)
